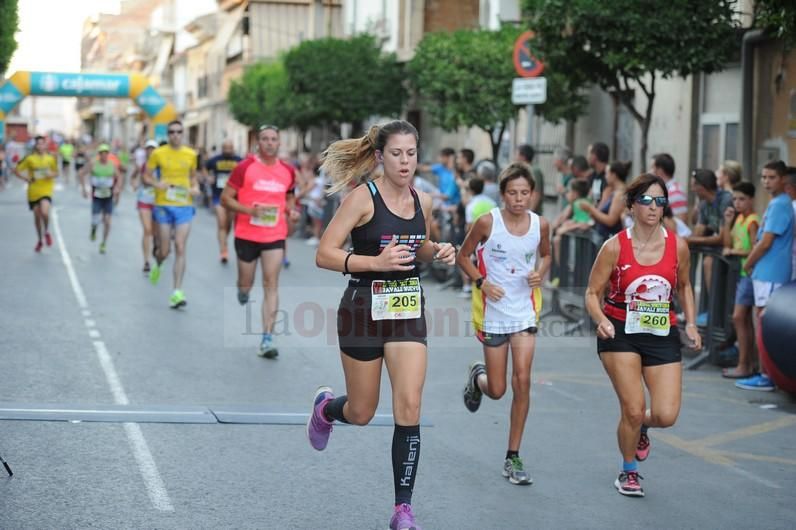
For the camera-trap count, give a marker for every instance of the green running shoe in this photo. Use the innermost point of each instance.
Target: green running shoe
(514, 471)
(177, 299)
(154, 274)
(102, 248)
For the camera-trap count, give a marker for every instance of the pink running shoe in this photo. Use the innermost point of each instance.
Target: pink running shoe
(628, 484)
(48, 238)
(403, 518)
(318, 427)
(643, 447)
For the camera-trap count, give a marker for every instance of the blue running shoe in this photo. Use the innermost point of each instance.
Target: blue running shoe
(759, 382)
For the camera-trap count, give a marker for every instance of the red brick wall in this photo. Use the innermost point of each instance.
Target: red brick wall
(450, 15)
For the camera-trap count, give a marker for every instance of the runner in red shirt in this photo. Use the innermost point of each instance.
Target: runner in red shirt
(630, 294)
(260, 192)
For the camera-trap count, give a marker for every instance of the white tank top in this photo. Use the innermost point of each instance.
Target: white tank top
(506, 260)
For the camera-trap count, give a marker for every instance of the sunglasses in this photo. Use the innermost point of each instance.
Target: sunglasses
(646, 200)
(267, 127)
(175, 131)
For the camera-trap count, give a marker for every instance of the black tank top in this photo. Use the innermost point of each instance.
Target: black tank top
(370, 238)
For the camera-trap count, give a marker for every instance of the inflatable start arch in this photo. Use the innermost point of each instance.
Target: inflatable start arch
(133, 86)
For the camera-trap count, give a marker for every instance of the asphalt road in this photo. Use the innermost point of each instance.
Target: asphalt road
(86, 332)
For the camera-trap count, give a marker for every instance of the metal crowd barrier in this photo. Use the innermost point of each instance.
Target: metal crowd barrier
(716, 299)
(579, 251)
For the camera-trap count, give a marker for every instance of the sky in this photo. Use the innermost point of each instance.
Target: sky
(36, 47)
(38, 50)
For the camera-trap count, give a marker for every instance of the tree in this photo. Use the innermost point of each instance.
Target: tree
(464, 80)
(778, 18)
(333, 81)
(623, 44)
(260, 96)
(9, 22)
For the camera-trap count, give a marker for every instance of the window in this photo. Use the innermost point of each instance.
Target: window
(718, 139)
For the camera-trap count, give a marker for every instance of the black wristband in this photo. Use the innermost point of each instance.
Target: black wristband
(345, 265)
(479, 282)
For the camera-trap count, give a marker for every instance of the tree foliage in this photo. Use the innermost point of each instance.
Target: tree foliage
(334, 81)
(464, 79)
(9, 22)
(778, 18)
(260, 96)
(623, 44)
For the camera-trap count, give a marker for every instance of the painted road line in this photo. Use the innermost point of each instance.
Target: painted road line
(712, 456)
(746, 432)
(156, 490)
(149, 470)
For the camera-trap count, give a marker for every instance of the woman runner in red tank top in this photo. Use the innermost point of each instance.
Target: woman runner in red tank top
(640, 269)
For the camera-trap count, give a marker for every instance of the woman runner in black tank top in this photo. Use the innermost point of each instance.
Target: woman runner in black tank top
(381, 311)
(372, 237)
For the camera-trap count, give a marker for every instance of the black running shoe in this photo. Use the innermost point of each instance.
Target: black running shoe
(473, 394)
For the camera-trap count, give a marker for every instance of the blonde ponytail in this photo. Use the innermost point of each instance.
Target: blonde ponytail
(346, 161)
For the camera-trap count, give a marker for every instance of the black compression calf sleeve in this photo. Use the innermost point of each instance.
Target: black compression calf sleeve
(405, 456)
(334, 409)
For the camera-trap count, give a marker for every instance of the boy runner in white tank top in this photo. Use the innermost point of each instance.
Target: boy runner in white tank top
(506, 302)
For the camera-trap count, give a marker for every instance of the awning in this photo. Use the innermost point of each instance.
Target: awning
(164, 53)
(229, 24)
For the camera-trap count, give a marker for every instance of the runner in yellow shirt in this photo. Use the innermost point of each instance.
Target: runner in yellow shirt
(39, 169)
(174, 193)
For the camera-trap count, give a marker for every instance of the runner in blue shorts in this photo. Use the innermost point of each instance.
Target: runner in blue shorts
(174, 193)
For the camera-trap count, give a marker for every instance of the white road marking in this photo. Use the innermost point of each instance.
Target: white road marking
(155, 487)
(90, 323)
(752, 476)
(119, 395)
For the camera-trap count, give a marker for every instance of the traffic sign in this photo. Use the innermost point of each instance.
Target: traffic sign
(525, 63)
(529, 91)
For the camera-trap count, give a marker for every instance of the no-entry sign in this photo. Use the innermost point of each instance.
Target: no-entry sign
(525, 63)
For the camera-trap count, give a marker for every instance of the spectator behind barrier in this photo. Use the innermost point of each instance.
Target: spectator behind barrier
(561, 160)
(711, 210)
(579, 167)
(608, 216)
(707, 232)
(443, 170)
(598, 155)
(729, 174)
(578, 196)
(769, 262)
(487, 171)
(526, 154)
(742, 224)
(663, 167)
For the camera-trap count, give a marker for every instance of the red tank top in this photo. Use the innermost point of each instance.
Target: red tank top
(631, 281)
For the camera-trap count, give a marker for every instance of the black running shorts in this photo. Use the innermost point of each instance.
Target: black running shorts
(653, 349)
(249, 251)
(35, 203)
(493, 340)
(362, 338)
